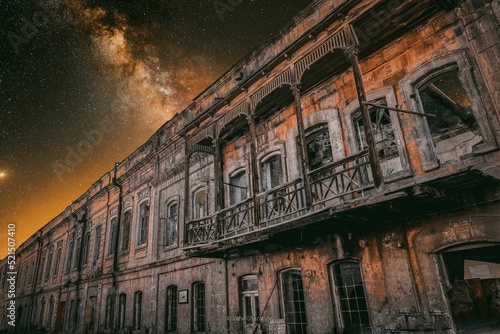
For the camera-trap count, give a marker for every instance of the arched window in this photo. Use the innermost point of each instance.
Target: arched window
(350, 298)
(238, 187)
(271, 172)
(171, 309)
(319, 148)
(200, 209)
(292, 301)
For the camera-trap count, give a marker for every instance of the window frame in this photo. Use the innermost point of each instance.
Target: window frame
(195, 211)
(353, 111)
(339, 313)
(137, 309)
(242, 174)
(122, 309)
(308, 132)
(171, 311)
(254, 301)
(473, 87)
(199, 310)
(283, 303)
(281, 177)
(143, 223)
(125, 231)
(170, 241)
(113, 226)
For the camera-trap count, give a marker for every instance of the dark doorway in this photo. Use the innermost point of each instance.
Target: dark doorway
(60, 318)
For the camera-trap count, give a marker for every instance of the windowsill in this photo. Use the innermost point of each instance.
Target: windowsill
(170, 247)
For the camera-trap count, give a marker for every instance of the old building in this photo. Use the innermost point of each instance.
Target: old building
(342, 178)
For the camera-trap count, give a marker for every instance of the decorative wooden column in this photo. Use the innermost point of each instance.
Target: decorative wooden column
(352, 53)
(187, 155)
(302, 145)
(254, 167)
(218, 175)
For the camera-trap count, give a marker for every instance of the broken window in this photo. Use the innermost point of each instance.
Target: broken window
(122, 310)
(473, 285)
(143, 223)
(293, 303)
(127, 219)
(137, 316)
(200, 203)
(171, 309)
(454, 129)
(171, 225)
(319, 148)
(350, 297)
(249, 301)
(238, 187)
(271, 172)
(199, 316)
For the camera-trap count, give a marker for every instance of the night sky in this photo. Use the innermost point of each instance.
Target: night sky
(108, 73)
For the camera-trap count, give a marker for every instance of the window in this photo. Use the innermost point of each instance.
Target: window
(42, 312)
(249, 302)
(76, 260)
(143, 223)
(70, 252)
(350, 297)
(122, 310)
(108, 316)
(97, 243)
(49, 263)
(58, 258)
(40, 268)
(171, 309)
(384, 135)
(271, 172)
(137, 310)
(86, 249)
(127, 219)
(51, 311)
(112, 236)
(71, 314)
(319, 148)
(171, 225)
(200, 203)
(199, 317)
(292, 299)
(454, 129)
(238, 187)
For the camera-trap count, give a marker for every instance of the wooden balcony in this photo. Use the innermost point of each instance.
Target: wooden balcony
(335, 184)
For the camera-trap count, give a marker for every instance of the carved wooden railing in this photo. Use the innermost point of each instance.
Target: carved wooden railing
(331, 185)
(341, 181)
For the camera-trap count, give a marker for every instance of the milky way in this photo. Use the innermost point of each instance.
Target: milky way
(83, 83)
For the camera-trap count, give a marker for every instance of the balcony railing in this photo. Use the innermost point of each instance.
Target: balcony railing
(331, 185)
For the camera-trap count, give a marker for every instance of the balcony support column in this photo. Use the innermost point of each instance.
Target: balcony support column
(352, 53)
(302, 145)
(187, 156)
(218, 175)
(253, 168)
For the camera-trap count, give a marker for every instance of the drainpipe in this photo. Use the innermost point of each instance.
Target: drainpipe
(79, 267)
(186, 189)
(115, 242)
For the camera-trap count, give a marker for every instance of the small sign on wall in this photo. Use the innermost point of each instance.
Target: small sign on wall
(183, 296)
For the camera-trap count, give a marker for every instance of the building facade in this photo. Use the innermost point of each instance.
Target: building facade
(342, 178)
